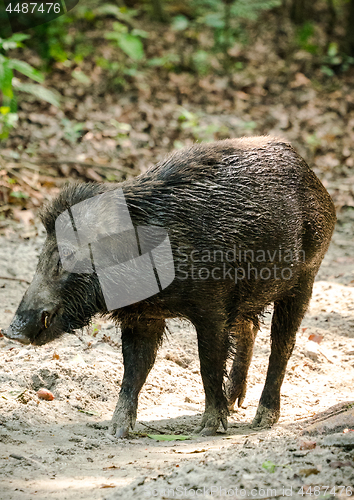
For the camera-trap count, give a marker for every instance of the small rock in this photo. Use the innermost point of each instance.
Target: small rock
(311, 350)
(45, 394)
(339, 465)
(340, 440)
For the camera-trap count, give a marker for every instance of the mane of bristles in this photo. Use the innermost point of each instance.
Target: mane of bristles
(70, 195)
(196, 161)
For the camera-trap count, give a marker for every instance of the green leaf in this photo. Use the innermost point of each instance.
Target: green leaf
(26, 70)
(118, 12)
(113, 36)
(81, 77)
(214, 20)
(333, 49)
(120, 27)
(4, 110)
(39, 92)
(168, 437)
(132, 46)
(109, 10)
(19, 194)
(269, 466)
(180, 23)
(141, 33)
(13, 42)
(19, 37)
(327, 70)
(6, 76)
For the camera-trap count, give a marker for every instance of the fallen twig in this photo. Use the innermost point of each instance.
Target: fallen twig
(30, 460)
(15, 279)
(159, 431)
(87, 165)
(72, 162)
(323, 354)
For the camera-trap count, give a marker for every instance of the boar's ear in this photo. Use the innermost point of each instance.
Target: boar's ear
(71, 194)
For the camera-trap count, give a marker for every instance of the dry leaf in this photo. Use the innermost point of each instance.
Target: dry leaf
(316, 337)
(307, 445)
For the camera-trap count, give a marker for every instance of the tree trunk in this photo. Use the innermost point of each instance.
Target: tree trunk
(301, 11)
(350, 30)
(129, 3)
(159, 13)
(332, 17)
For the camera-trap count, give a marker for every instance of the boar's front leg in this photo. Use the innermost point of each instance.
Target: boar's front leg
(140, 342)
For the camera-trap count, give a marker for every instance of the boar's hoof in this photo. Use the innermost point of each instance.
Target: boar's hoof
(122, 432)
(211, 421)
(119, 431)
(265, 417)
(122, 422)
(235, 395)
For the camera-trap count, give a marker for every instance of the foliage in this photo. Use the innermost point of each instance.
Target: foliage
(334, 59)
(72, 131)
(204, 132)
(225, 20)
(9, 84)
(129, 43)
(304, 36)
(168, 437)
(269, 466)
(65, 37)
(51, 40)
(243, 9)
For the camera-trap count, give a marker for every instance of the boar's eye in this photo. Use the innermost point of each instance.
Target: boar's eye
(67, 253)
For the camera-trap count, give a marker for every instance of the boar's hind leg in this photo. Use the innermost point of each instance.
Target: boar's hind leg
(140, 341)
(213, 343)
(244, 333)
(287, 317)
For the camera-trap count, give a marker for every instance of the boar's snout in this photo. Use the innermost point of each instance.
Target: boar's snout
(30, 326)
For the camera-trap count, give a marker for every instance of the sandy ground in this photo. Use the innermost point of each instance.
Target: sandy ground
(60, 450)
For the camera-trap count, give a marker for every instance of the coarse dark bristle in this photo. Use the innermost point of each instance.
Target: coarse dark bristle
(172, 169)
(72, 193)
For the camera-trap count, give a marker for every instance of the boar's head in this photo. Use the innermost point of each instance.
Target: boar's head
(58, 300)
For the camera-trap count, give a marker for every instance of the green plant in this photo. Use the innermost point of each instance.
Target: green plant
(200, 131)
(169, 61)
(52, 40)
(128, 41)
(10, 85)
(303, 37)
(269, 466)
(72, 131)
(65, 39)
(224, 18)
(335, 59)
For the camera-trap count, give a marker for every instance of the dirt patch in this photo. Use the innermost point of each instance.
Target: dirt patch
(59, 449)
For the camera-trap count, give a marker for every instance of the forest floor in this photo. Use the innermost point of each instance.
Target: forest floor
(60, 450)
